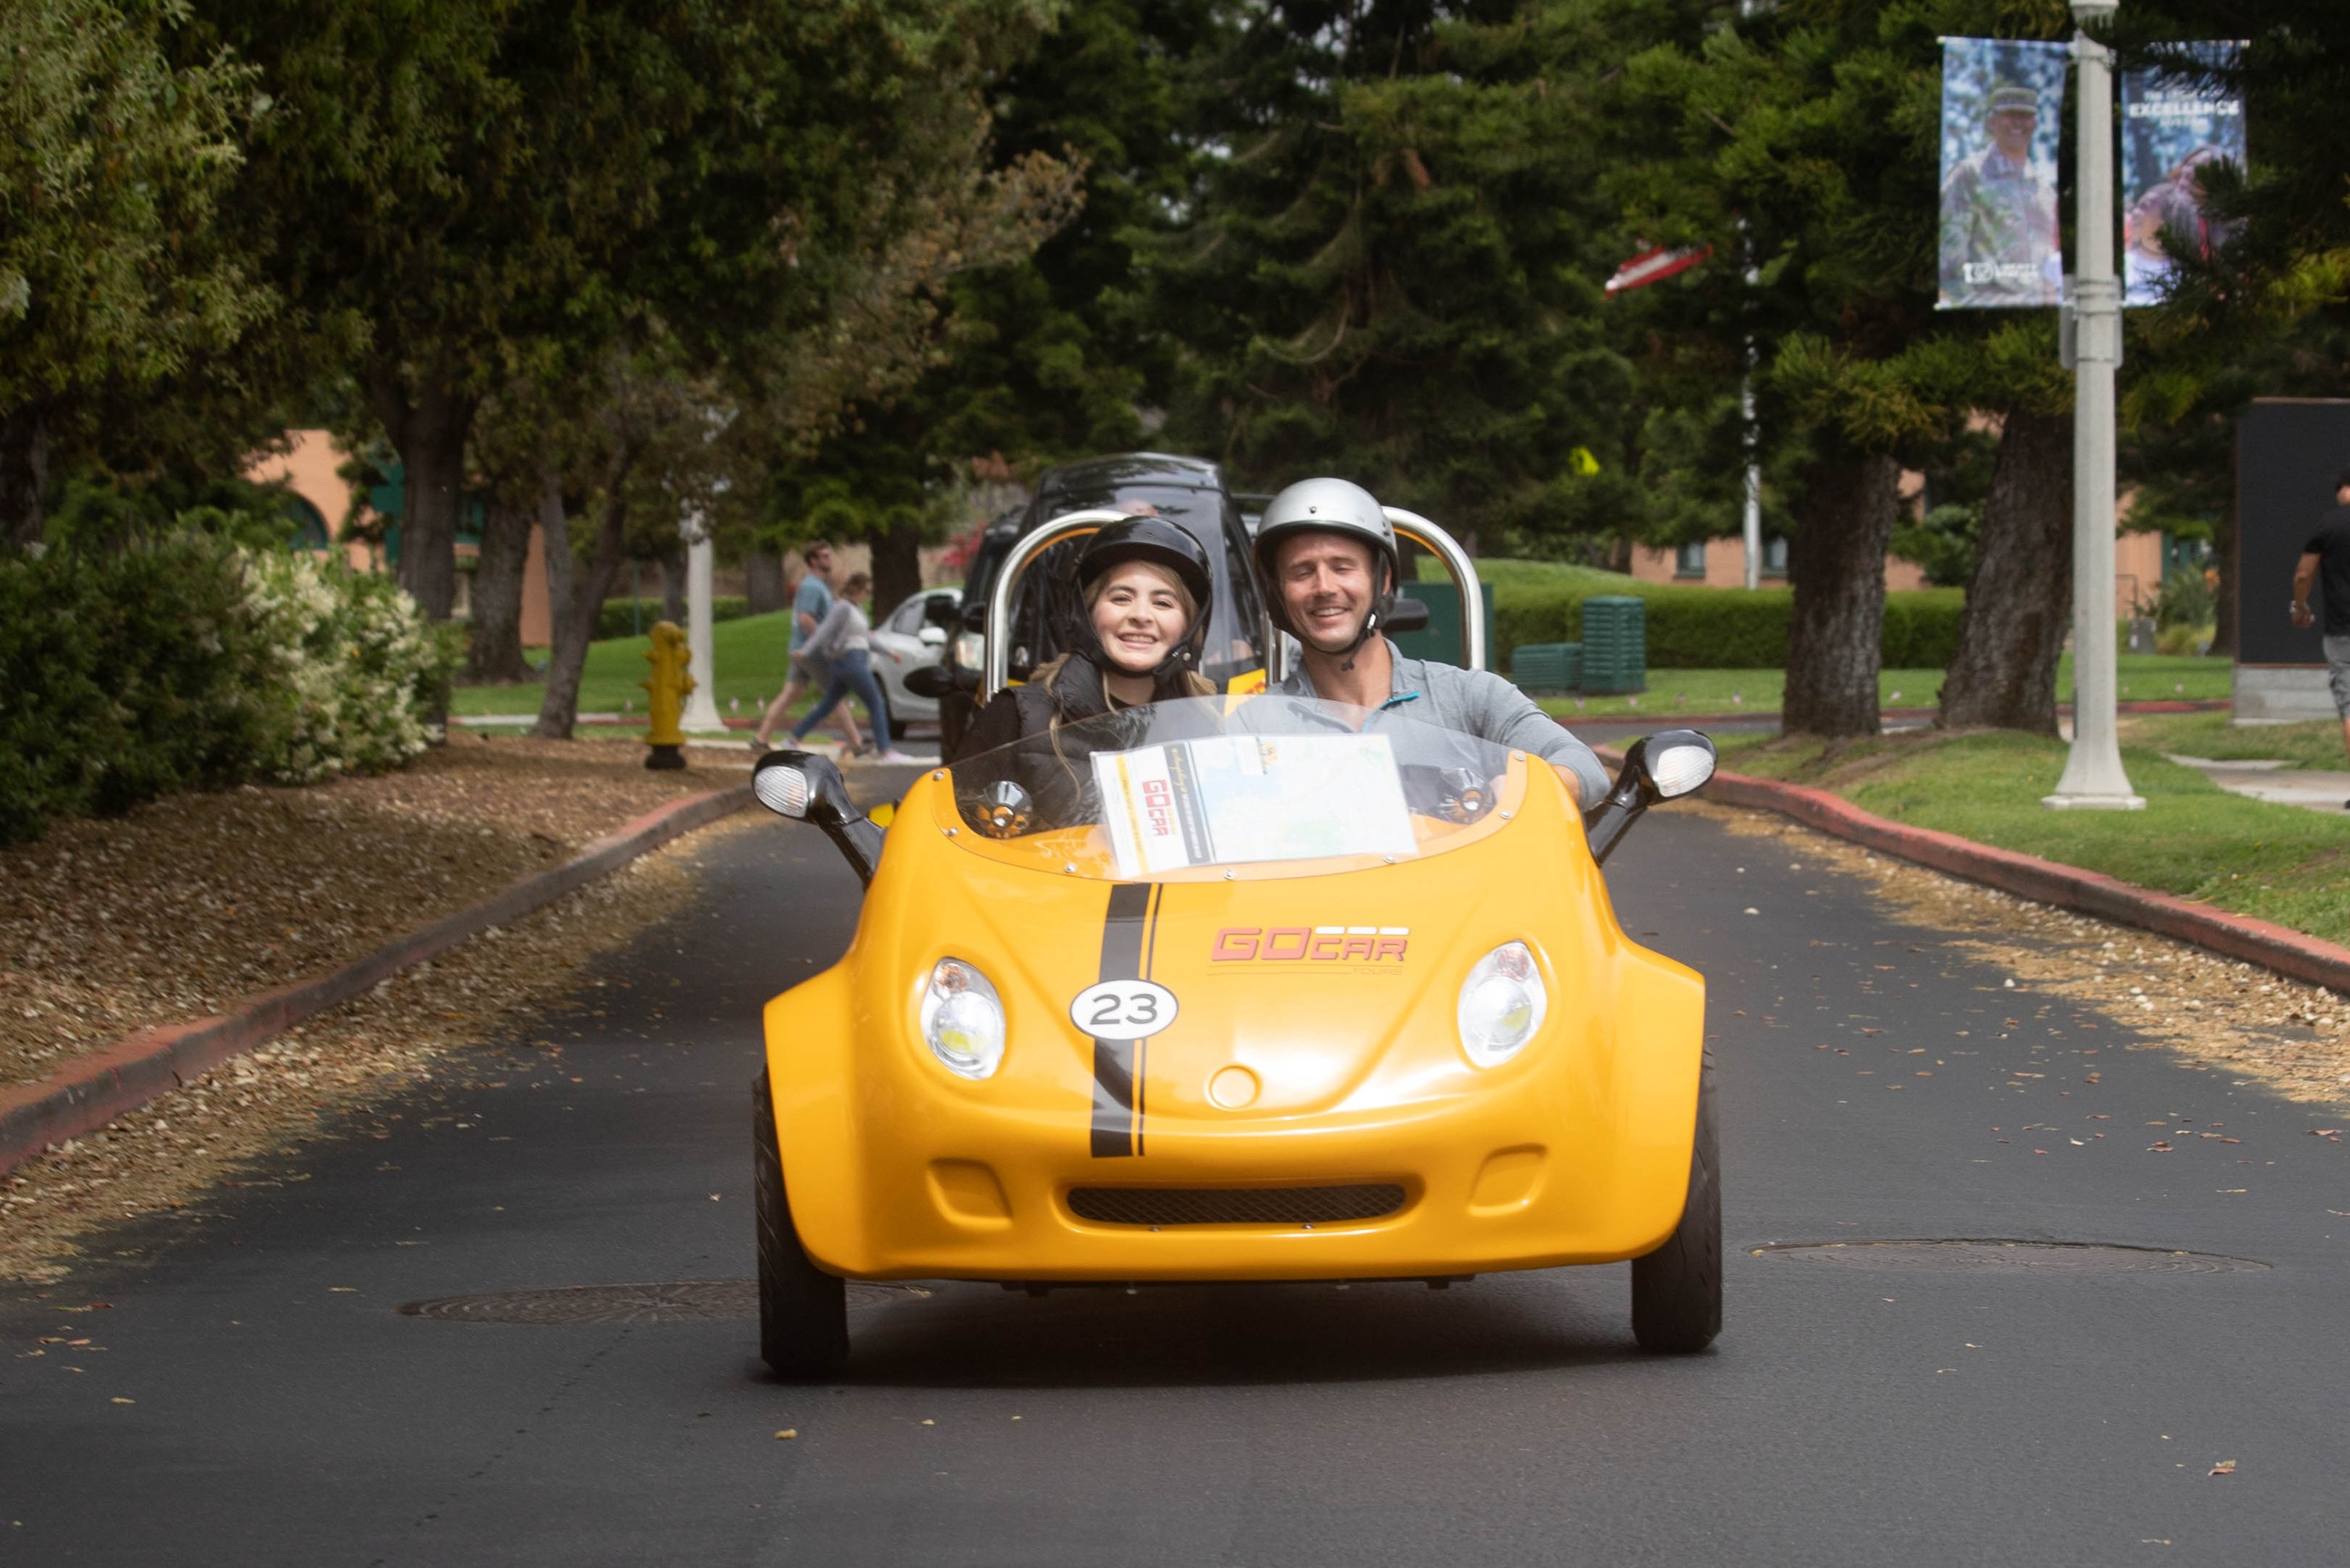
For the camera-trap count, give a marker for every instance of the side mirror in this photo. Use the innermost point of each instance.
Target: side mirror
(943, 613)
(932, 636)
(810, 788)
(935, 680)
(1666, 765)
(1409, 615)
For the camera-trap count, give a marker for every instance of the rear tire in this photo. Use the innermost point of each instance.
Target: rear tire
(802, 1311)
(1677, 1289)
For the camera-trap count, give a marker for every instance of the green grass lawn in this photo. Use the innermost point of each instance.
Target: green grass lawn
(751, 658)
(2315, 745)
(2142, 677)
(751, 655)
(2279, 863)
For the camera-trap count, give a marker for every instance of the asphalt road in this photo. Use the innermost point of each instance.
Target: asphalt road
(1855, 1410)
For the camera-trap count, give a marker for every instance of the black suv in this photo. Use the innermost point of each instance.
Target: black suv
(1183, 490)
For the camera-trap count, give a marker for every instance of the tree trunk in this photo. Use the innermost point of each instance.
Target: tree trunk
(558, 709)
(763, 582)
(897, 567)
(2020, 598)
(554, 531)
(1837, 558)
(24, 475)
(495, 651)
(430, 430)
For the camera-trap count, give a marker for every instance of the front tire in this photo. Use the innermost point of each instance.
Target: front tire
(802, 1311)
(1677, 1289)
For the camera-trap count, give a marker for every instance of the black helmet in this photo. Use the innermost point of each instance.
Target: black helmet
(1329, 506)
(1161, 543)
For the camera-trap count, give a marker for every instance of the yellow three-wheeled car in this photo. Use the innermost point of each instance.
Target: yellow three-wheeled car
(1240, 988)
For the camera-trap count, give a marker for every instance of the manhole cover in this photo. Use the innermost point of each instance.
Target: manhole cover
(2000, 1257)
(682, 1300)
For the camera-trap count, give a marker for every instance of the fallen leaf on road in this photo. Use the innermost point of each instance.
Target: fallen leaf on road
(789, 1432)
(2334, 1133)
(2163, 1147)
(121, 1400)
(2224, 1468)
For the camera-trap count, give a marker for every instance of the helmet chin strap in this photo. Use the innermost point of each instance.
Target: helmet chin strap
(1370, 625)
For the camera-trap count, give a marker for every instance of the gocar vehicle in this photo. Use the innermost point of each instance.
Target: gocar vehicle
(1241, 987)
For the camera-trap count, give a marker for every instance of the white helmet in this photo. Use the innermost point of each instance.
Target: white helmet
(1329, 506)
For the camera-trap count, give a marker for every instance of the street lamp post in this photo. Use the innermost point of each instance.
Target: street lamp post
(702, 706)
(2094, 778)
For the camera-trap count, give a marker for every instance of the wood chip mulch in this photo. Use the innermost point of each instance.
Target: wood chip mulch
(185, 905)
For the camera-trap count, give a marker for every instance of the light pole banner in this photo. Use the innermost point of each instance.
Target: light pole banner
(2173, 127)
(2003, 104)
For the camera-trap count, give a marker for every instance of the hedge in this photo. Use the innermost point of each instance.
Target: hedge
(1705, 628)
(189, 664)
(619, 618)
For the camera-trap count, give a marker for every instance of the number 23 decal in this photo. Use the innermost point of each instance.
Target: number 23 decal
(1123, 1009)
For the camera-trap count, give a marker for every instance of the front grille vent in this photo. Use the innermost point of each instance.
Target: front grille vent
(1234, 1205)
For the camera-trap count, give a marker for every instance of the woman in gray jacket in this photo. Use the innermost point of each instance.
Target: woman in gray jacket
(843, 638)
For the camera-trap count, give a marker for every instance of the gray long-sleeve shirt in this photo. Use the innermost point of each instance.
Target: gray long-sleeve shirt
(1477, 702)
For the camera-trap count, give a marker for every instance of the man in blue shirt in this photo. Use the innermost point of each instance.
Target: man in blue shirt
(811, 601)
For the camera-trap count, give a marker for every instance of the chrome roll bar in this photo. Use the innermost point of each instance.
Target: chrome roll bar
(1411, 525)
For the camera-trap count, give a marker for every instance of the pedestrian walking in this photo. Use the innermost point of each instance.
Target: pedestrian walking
(843, 641)
(812, 601)
(2325, 561)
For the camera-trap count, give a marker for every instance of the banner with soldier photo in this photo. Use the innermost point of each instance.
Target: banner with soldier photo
(2174, 127)
(2002, 103)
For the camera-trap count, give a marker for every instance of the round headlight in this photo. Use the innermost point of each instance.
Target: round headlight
(963, 1019)
(1501, 1004)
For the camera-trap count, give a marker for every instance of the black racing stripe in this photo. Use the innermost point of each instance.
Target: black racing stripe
(1125, 937)
(1142, 1047)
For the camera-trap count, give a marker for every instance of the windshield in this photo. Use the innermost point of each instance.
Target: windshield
(1288, 786)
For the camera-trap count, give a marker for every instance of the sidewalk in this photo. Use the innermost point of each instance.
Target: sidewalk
(2312, 789)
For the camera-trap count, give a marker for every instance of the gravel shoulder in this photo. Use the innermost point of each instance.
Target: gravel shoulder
(2219, 1014)
(177, 910)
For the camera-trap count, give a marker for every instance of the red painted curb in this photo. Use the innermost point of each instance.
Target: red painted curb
(95, 1088)
(2289, 953)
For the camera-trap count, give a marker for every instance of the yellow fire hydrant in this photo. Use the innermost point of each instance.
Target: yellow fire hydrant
(665, 690)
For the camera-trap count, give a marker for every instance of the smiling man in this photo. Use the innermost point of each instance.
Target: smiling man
(1328, 558)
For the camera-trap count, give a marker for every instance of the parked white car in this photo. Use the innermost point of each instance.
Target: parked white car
(904, 642)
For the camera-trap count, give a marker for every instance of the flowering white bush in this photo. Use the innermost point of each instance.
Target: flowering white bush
(354, 656)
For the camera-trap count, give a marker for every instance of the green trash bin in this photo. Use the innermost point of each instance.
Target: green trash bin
(1615, 645)
(1546, 668)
